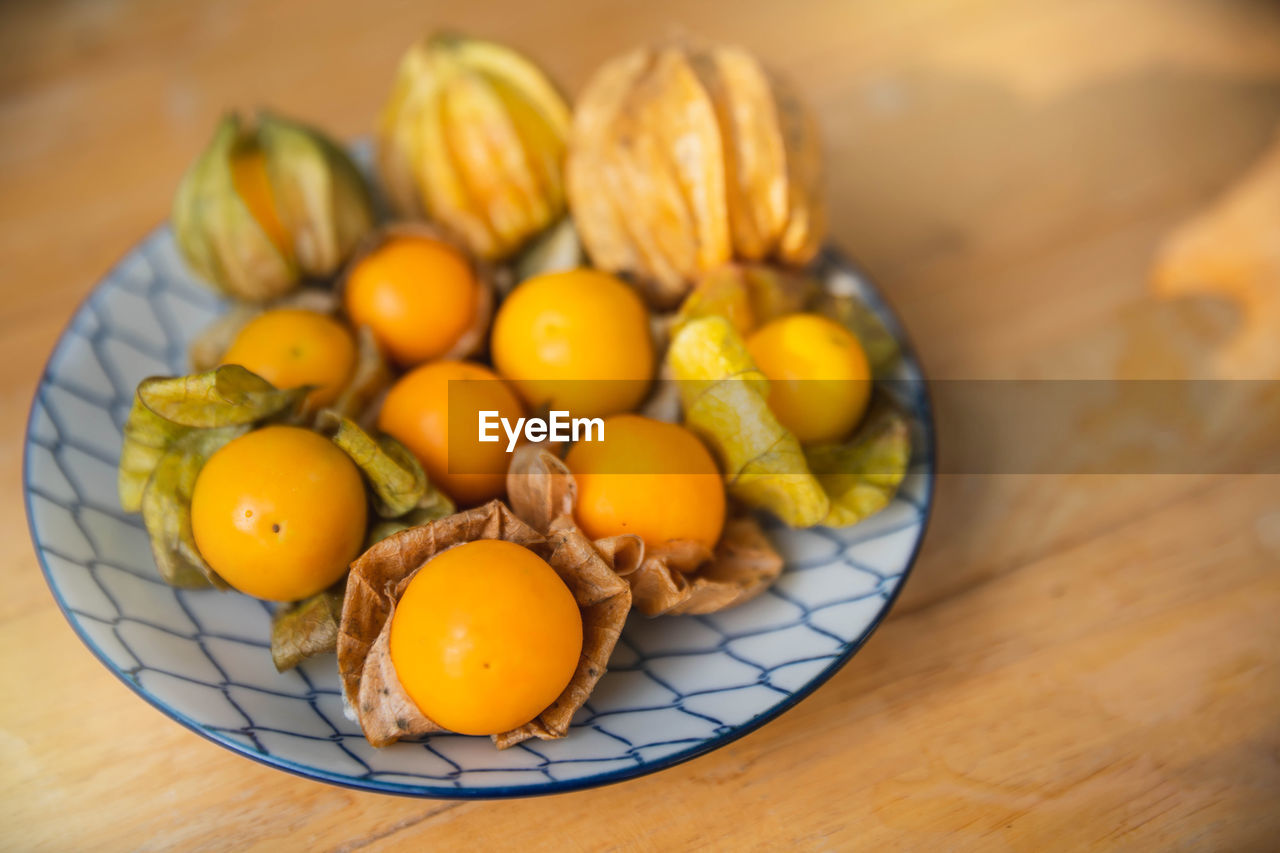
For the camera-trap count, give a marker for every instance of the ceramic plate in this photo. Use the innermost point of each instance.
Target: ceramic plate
(677, 687)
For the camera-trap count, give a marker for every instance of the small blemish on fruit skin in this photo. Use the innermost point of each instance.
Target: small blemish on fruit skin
(275, 528)
(486, 664)
(248, 513)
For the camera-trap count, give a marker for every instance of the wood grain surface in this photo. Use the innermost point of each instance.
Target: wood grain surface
(1083, 189)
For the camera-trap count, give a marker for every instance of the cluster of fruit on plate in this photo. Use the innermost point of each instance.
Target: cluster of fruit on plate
(637, 263)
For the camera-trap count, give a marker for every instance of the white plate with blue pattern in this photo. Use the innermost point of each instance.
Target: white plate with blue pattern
(677, 687)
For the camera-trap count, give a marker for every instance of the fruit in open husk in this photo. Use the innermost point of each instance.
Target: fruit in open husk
(299, 340)
(380, 577)
(178, 424)
(725, 401)
(473, 138)
(671, 576)
(685, 156)
(577, 341)
(420, 293)
(269, 202)
(434, 409)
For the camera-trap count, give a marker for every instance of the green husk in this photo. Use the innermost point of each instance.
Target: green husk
(397, 480)
(724, 397)
(306, 628)
(321, 196)
(216, 230)
(229, 395)
(432, 505)
(165, 409)
(166, 507)
(862, 475)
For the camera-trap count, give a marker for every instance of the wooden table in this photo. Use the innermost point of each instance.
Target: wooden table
(1042, 189)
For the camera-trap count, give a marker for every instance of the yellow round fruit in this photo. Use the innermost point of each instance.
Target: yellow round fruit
(485, 637)
(417, 294)
(819, 378)
(576, 341)
(654, 479)
(417, 412)
(291, 347)
(279, 513)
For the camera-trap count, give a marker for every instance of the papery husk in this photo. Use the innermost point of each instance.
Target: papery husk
(380, 576)
(676, 577)
(473, 138)
(316, 190)
(319, 192)
(725, 401)
(432, 505)
(167, 408)
(556, 250)
(476, 335)
(862, 474)
(307, 628)
(684, 156)
(166, 507)
(394, 476)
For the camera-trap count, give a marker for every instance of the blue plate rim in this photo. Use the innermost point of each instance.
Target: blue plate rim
(830, 254)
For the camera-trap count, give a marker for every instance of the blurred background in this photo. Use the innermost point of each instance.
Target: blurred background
(1085, 190)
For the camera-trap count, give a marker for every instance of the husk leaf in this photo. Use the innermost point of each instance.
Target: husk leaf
(319, 192)
(307, 628)
(725, 401)
(395, 477)
(167, 408)
(166, 507)
(862, 474)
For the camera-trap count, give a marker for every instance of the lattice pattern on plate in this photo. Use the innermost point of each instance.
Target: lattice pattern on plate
(676, 686)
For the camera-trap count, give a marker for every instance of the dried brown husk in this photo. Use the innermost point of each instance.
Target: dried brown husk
(475, 337)
(307, 628)
(167, 408)
(683, 156)
(380, 576)
(677, 577)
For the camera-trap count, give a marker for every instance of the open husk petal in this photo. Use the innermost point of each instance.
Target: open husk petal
(380, 576)
(679, 576)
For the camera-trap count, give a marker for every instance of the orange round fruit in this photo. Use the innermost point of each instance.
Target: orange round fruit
(819, 377)
(654, 479)
(279, 513)
(417, 412)
(290, 347)
(485, 637)
(418, 295)
(576, 341)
